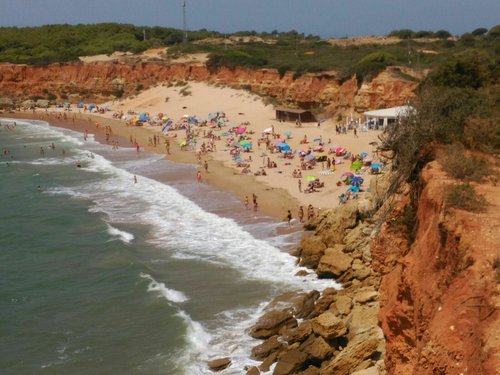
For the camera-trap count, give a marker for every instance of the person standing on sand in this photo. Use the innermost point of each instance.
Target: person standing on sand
(301, 214)
(310, 212)
(300, 185)
(245, 202)
(137, 147)
(198, 176)
(205, 165)
(289, 218)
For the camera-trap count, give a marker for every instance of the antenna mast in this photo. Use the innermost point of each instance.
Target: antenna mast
(184, 21)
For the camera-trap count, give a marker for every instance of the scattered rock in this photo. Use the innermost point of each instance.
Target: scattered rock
(311, 370)
(271, 323)
(311, 250)
(299, 304)
(290, 362)
(367, 371)
(324, 302)
(219, 364)
(317, 348)
(348, 360)
(253, 371)
(333, 226)
(343, 304)
(267, 347)
(366, 296)
(328, 326)
(266, 365)
(334, 263)
(298, 334)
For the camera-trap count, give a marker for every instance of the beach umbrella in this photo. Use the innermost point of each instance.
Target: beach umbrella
(310, 156)
(310, 178)
(80, 105)
(268, 130)
(68, 104)
(363, 154)
(241, 130)
(376, 166)
(283, 146)
(319, 156)
(91, 106)
(356, 181)
(317, 140)
(347, 174)
(244, 142)
(354, 189)
(183, 143)
(164, 118)
(367, 159)
(356, 166)
(247, 145)
(318, 148)
(143, 116)
(288, 134)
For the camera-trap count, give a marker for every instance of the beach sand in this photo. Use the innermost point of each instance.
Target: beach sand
(277, 192)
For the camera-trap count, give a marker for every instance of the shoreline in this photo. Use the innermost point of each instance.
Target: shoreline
(272, 201)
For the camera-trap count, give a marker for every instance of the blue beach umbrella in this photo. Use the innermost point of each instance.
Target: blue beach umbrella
(283, 146)
(354, 189)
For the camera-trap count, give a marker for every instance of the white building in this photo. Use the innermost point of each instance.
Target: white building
(387, 116)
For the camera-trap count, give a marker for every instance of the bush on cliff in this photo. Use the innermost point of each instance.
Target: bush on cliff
(463, 196)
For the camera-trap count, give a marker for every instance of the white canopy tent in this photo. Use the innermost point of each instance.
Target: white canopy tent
(387, 116)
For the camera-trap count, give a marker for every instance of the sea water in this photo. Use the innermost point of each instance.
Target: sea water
(102, 275)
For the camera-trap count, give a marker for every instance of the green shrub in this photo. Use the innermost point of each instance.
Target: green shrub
(463, 196)
(456, 163)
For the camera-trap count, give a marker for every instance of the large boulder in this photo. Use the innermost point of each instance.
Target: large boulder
(269, 346)
(290, 362)
(219, 364)
(334, 263)
(300, 304)
(271, 323)
(311, 250)
(368, 371)
(328, 326)
(316, 348)
(323, 303)
(343, 304)
(297, 334)
(253, 371)
(333, 226)
(355, 354)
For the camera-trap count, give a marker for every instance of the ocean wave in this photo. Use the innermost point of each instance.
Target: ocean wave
(123, 236)
(169, 294)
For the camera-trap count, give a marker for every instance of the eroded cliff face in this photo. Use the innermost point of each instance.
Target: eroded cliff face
(102, 80)
(439, 297)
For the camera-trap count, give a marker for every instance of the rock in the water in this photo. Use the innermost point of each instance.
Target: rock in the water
(270, 324)
(267, 347)
(329, 326)
(334, 263)
(219, 364)
(299, 304)
(311, 250)
(253, 371)
(290, 362)
(266, 364)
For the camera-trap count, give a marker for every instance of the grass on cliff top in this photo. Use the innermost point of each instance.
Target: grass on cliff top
(289, 51)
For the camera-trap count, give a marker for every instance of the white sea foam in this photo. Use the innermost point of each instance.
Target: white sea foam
(170, 294)
(123, 236)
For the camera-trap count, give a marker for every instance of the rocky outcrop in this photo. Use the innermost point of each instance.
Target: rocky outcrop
(335, 331)
(104, 80)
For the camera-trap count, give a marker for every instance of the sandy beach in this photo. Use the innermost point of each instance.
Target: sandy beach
(277, 191)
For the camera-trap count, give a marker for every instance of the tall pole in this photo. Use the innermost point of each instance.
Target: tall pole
(184, 21)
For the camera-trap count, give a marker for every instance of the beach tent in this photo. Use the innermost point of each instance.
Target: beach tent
(91, 106)
(80, 105)
(143, 116)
